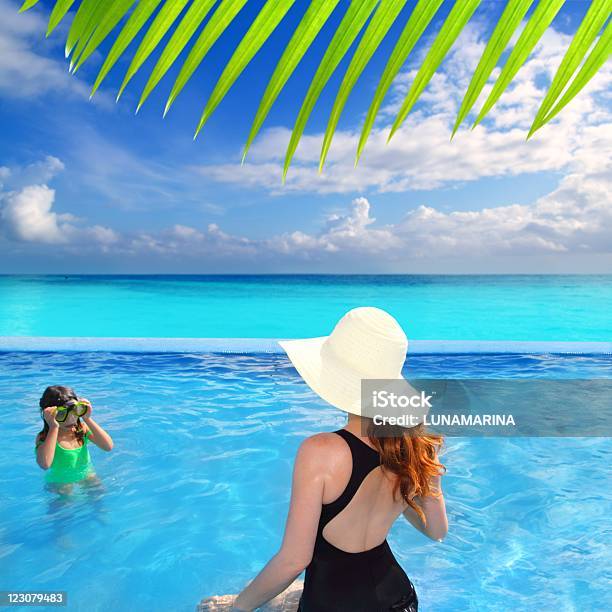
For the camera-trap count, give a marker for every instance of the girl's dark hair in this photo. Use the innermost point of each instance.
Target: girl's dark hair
(57, 395)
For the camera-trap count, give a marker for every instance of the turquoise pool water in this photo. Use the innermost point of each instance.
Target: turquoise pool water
(196, 490)
(536, 308)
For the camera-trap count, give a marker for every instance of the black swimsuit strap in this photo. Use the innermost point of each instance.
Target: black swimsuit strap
(365, 459)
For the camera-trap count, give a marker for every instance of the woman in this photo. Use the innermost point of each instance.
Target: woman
(349, 486)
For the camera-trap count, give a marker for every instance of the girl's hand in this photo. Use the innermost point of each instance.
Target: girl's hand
(87, 415)
(49, 416)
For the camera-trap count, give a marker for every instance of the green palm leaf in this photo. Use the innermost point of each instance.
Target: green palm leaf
(507, 25)
(94, 20)
(92, 25)
(182, 35)
(420, 18)
(265, 23)
(222, 17)
(597, 58)
(383, 19)
(352, 23)
(594, 20)
(57, 14)
(452, 27)
(311, 24)
(134, 24)
(160, 26)
(82, 22)
(28, 4)
(535, 28)
(107, 24)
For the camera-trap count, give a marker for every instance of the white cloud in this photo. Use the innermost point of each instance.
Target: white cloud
(573, 219)
(421, 156)
(342, 232)
(27, 215)
(24, 71)
(38, 172)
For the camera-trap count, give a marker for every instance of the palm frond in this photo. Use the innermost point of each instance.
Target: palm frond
(452, 27)
(93, 22)
(170, 25)
(535, 28)
(311, 24)
(383, 19)
(130, 30)
(420, 18)
(507, 25)
(28, 4)
(354, 19)
(83, 23)
(161, 24)
(265, 23)
(182, 35)
(597, 58)
(221, 19)
(57, 14)
(594, 20)
(107, 24)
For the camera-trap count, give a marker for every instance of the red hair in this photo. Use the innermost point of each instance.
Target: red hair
(411, 457)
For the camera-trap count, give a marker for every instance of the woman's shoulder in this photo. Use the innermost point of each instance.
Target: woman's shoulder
(323, 447)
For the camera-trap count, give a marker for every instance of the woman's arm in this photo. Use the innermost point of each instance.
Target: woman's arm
(98, 436)
(434, 509)
(300, 531)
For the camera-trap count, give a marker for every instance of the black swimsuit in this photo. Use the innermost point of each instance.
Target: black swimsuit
(369, 581)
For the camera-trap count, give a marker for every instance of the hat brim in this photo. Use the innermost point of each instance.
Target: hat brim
(327, 376)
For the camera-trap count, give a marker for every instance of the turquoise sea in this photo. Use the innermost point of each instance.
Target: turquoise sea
(523, 307)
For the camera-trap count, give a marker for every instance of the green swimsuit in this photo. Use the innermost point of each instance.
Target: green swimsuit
(70, 465)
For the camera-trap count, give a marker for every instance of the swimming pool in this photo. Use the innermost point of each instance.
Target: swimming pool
(197, 487)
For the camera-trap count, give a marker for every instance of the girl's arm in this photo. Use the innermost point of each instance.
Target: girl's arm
(434, 509)
(46, 450)
(98, 435)
(300, 531)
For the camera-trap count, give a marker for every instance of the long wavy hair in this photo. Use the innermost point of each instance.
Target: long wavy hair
(411, 456)
(58, 395)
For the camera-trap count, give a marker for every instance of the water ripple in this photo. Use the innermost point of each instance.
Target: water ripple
(195, 493)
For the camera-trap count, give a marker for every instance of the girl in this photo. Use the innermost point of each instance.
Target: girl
(61, 446)
(350, 485)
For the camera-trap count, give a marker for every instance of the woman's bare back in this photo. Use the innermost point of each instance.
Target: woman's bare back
(366, 520)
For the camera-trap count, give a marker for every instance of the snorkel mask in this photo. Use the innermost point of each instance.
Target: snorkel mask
(79, 408)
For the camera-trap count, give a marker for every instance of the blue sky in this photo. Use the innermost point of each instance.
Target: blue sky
(87, 186)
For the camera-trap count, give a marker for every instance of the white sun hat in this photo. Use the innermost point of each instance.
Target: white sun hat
(367, 343)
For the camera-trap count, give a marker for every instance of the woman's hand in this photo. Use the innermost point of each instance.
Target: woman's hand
(219, 603)
(49, 416)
